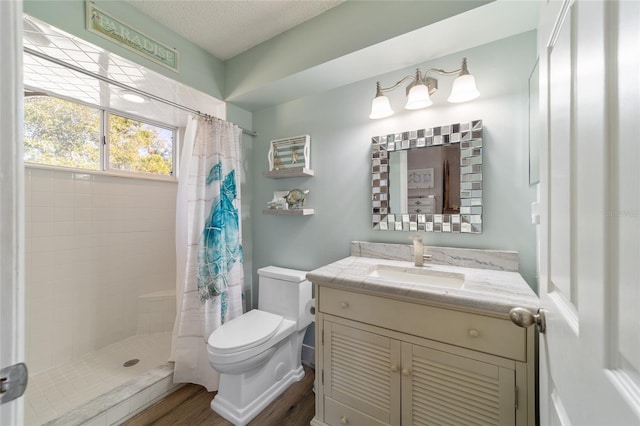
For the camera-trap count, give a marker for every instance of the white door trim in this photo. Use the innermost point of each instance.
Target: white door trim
(11, 200)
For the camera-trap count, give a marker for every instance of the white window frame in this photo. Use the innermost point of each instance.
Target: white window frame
(107, 112)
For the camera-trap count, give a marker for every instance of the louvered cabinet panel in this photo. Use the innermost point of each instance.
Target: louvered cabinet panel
(439, 388)
(362, 371)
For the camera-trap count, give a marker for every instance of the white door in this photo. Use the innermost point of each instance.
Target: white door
(11, 195)
(590, 204)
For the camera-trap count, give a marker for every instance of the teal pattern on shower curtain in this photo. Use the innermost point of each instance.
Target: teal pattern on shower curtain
(220, 245)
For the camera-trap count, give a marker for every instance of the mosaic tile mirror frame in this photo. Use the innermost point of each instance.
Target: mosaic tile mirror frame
(464, 218)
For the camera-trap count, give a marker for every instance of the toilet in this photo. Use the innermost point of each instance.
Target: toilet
(258, 354)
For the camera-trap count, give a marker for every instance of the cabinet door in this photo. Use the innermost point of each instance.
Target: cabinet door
(439, 388)
(362, 371)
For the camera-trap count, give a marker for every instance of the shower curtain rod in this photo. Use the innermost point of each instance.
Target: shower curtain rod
(124, 86)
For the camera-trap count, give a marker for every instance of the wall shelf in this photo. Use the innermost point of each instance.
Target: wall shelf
(290, 212)
(288, 173)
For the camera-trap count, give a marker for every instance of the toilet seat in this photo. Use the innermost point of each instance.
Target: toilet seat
(250, 351)
(245, 332)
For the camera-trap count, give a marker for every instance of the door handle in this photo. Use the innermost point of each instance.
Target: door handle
(523, 317)
(13, 382)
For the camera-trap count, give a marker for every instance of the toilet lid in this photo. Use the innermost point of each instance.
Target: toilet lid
(244, 332)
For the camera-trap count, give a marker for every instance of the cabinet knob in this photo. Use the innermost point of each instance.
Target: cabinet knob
(473, 332)
(344, 420)
(344, 305)
(394, 368)
(406, 372)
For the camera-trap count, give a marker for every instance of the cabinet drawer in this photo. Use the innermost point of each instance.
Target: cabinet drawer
(422, 205)
(337, 414)
(477, 332)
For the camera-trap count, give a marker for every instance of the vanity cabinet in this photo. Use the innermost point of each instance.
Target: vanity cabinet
(388, 361)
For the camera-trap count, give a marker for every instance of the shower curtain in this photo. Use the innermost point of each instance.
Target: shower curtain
(208, 245)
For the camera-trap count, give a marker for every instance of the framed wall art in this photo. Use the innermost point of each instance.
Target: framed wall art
(290, 153)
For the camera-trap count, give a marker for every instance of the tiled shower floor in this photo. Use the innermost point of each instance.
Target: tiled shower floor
(74, 389)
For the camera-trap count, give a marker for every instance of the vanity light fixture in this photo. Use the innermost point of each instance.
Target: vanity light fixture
(421, 88)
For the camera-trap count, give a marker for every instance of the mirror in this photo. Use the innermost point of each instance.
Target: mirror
(429, 179)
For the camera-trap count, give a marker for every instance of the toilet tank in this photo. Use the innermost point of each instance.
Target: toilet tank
(285, 292)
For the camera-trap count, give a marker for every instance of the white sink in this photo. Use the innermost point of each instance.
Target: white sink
(417, 276)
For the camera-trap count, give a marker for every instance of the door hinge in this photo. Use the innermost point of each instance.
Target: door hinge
(13, 382)
(516, 397)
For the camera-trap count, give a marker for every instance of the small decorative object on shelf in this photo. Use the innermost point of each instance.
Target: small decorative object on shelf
(279, 201)
(276, 161)
(296, 197)
(288, 203)
(290, 153)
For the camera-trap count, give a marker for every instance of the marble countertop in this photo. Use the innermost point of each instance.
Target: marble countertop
(486, 290)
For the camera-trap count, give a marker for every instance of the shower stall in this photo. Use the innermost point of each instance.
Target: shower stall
(99, 275)
(100, 246)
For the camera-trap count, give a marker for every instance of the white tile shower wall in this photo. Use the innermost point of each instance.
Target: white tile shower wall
(94, 243)
(156, 312)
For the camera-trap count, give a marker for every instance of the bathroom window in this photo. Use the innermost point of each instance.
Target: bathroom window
(63, 133)
(137, 146)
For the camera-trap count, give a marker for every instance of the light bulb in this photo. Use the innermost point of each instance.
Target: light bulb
(464, 89)
(380, 108)
(418, 97)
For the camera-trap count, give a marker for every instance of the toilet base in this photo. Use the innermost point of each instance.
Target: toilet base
(242, 416)
(242, 396)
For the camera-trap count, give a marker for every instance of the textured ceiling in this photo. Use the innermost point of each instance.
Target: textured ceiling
(227, 28)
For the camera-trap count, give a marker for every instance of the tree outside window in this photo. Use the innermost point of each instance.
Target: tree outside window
(139, 147)
(61, 133)
(67, 134)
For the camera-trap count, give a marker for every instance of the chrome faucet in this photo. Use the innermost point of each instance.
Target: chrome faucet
(418, 250)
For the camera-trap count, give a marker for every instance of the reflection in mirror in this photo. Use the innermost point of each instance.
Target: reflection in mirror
(429, 179)
(425, 180)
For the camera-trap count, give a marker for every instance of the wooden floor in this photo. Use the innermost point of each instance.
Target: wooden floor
(190, 405)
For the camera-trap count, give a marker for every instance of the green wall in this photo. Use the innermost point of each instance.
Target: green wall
(340, 131)
(198, 68)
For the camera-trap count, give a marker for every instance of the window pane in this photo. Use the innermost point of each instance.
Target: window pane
(61, 133)
(136, 146)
